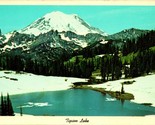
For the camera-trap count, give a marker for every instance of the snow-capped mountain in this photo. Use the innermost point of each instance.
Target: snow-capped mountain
(60, 30)
(61, 22)
(68, 32)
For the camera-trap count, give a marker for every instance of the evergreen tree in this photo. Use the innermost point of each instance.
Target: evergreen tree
(122, 89)
(103, 68)
(118, 72)
(2, 105)
(9, 106)
(21, 112)
(134, 68)
(0, 32)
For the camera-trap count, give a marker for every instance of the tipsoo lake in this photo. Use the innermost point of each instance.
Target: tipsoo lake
(76, 103)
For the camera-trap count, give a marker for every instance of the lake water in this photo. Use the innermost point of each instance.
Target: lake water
(76, 103)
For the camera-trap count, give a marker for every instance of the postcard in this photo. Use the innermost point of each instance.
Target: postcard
(77, 62)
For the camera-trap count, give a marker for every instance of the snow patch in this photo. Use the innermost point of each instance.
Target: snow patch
(101, 55)
(80, 42)
(8, 35)
(104, 42)
(55, 45)
(110, 99)
(65, 38)
(38, 104)
(14, 46)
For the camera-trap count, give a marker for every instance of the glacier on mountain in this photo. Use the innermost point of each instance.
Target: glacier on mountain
(61, 22)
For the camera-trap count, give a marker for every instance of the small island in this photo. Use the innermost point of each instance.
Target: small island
(116, 94)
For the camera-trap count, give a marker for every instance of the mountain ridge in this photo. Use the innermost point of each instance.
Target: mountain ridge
(127, 34)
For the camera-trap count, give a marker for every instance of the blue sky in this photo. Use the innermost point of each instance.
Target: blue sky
(110, 19)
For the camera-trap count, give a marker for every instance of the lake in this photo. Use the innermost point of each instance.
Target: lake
(76, 103)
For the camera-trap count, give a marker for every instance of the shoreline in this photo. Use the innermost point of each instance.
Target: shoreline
(114, 94)
(143, 88)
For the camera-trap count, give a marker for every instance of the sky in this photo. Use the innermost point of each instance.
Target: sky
(110, 19)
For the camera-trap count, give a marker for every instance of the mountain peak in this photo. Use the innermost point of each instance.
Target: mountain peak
(60, 21)
(54, 13)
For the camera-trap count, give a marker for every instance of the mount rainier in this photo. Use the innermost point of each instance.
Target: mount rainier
(53, 36)
(61, 22)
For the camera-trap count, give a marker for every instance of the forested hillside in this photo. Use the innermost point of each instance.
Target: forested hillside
(102, 58)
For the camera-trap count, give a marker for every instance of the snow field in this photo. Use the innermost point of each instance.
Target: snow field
(33, 83)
